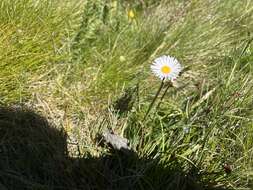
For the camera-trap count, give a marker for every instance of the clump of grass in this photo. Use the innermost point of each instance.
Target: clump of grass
(34, 39)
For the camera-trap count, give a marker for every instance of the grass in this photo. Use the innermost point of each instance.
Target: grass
(84, 66)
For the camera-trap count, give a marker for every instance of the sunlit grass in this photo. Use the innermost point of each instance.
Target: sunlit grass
(72, 61)
(34, 38)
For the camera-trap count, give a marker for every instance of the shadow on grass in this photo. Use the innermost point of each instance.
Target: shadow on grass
(33, 155)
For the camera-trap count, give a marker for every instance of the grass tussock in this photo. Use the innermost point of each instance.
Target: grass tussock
(85, 67)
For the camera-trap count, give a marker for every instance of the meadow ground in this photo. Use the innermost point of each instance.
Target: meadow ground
(70, 69)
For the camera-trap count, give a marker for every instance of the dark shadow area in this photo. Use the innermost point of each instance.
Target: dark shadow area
(33, 155)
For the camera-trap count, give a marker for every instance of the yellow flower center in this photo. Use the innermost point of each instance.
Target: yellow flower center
(166, 69)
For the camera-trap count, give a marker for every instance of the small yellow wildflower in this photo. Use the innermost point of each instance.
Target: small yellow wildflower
(122, 58)
(131, 14)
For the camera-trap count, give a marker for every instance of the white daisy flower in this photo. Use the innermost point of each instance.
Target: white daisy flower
(166, 67)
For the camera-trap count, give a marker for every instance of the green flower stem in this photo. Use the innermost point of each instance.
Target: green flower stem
(167, 88)
(153, 101)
